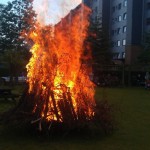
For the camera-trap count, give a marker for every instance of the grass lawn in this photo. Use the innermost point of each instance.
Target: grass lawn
(133, 133)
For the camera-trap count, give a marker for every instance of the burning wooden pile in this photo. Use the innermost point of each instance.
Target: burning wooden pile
(59, 88)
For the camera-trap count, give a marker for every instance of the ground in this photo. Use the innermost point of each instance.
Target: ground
(132, 112)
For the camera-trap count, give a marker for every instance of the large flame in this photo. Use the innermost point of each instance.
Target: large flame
(59, 69)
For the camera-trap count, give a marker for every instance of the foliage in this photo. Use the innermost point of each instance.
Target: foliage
(17, 19)
(15, 61)
(145, 55)
(100, 44)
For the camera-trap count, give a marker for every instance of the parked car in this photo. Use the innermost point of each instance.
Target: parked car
(21, 79)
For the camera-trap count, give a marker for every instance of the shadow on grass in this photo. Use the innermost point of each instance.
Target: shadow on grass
(26, 132)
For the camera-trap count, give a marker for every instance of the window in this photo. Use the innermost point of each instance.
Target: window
(124, 29)
(96, 9)
(115, 55)
(112, 32)
(119, 6)
(116, 19)
(125, 3)
(118, 43)
(119, 18)
(119, 55)
(113, 9)
(96, 18)
(148, 21)
(118, 30)
(124, 16)
(113, 44)
(123, 54)
(124, 42)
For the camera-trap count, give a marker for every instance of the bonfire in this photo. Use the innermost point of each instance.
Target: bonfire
(59, 87)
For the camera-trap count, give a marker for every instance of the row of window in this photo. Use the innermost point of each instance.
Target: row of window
(118, 55)
(118, 31)
(118, 43)
(119, 18)
(119, 6)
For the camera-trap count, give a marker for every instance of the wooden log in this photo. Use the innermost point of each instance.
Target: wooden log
(54, 104)
(71, 105)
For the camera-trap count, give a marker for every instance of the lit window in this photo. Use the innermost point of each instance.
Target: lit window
(123, 55)
(124, 29)
(119, 56)
(119, 18)
(124, 42)
(124, 16)
(125, 2)
(118, 43)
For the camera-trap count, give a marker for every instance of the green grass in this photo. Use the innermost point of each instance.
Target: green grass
(132, 113)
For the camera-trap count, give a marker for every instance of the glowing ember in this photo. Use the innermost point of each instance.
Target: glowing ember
(58, 71)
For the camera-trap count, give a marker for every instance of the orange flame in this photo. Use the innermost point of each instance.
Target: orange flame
(57, 71)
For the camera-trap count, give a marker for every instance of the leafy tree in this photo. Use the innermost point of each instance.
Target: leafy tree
(17, 19)
(145, 55)
(100, 44)
(15, 62)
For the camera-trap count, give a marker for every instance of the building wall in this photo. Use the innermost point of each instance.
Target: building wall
(137, 22)
(118, 23)
(146, 16)
(132, 53)
(134, 31)
(106, 15)
(126, 21)
(96, 6)
(126, 29)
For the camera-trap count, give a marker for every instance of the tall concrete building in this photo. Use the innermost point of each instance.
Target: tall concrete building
(100, 12)
(126, 29)
(126, 22)
(96, 6)
(146, 16)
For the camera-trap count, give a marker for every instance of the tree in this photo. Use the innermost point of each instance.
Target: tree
(144, 58)
(17, 19)
(100, 44)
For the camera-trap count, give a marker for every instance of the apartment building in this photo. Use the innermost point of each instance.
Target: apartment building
(126, 22)
(146, 16)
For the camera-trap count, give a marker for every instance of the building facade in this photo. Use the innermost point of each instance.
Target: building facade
(146, 16)
(126, 21)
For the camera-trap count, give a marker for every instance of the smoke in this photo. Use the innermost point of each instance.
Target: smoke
(51, 11)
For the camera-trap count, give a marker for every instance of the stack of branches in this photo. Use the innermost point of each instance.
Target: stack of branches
(31, 106)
